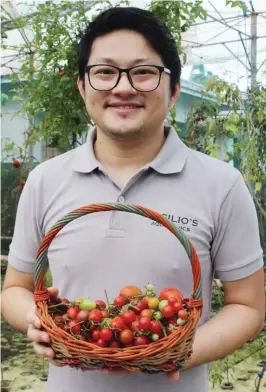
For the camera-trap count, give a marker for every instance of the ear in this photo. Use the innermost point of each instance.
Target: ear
(81, 87)
(174, 97)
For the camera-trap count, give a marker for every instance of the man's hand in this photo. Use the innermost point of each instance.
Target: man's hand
(39, 337)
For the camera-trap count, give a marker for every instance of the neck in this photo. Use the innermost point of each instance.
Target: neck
(127, 155)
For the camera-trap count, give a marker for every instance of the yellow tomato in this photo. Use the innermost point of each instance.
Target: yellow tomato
(153, 303)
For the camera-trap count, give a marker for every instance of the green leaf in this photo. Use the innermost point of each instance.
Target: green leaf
(17, 98)
(258, 187)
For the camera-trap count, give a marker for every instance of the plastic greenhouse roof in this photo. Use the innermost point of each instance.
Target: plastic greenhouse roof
(219, 46)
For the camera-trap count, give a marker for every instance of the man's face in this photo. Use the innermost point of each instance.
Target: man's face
(124, 112)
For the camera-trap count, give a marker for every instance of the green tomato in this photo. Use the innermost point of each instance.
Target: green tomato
(87, 304)
(163, 303)
(150, 287)
(157, 315)
(181, 322)
(155, 337)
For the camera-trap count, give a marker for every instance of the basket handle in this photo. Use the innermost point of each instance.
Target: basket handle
(42, 294)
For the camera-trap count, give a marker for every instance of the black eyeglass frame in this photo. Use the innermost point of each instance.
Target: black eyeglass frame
(127, 70)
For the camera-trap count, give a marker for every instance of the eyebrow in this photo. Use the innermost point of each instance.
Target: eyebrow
(110, 61)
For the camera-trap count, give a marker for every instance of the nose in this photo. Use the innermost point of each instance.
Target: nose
(124, 87)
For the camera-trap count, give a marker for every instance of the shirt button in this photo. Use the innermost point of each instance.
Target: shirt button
(121, 199)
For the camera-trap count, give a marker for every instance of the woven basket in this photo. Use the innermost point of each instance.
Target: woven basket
(164, 355)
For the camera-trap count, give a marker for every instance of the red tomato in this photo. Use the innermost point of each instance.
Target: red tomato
(168, 311)
(73, 312)
(135, 326)
(16, 163)
(118, 323)
(156, 326)
(65, 317)
(22, 183)
(183, 314)
(146, 313)
(106, 334)
(177, 306)
(120, 301)
(62, 73)
(126, 336)
(168, 292)
(144, 323)
(105, 314)
(96, 315)
(74, 327)
(172, 301)
(141, 340)
(114, 344)
(141, 305)
(101, 343)
(130, 291)
(100, 303)
(82, 315)
(96, 334)
(129, 316)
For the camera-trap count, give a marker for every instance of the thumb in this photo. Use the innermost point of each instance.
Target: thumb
(53, 291)
(173, 376)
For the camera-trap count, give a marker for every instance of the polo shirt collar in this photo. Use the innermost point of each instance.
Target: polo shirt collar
(171, 158)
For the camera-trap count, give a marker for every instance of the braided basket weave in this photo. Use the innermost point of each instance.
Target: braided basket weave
(164, 355)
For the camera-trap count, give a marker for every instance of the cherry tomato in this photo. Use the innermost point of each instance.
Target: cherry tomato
(120, 301)
(141, 340)
(126, 336)
(163, 303)
(106, 334)
(141, 305)
(16, 163)
(157, 315)
(129, 316)
(96, 315)
(82, 315)
(100, 303)
(183, 314)
(73, 312)
(168, 311)
(135, 326)
(105, 314)
(96, 334)
(74, 327)
(62, 73)
(65, 317)
(101, 343)
(87, 304)
(170, 292)
(156, 326)
(155, 337)
(130, 291)
(144, 323)
(114, 344)
(172, 300)
(118, 323)
(146, 313)
(177, 306)
(153, 303)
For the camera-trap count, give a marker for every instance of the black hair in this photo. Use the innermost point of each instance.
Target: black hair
(142, 21)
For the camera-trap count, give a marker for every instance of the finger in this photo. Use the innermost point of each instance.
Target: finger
(53, 291)
(33, 319)
(173, 376)
(44, 352)
(37, 336)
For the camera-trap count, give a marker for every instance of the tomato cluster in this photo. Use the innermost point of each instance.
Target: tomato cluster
(133, 318)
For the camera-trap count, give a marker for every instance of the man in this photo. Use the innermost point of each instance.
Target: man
(129, 78)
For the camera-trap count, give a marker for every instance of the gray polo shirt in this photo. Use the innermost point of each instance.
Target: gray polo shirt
(205, 197)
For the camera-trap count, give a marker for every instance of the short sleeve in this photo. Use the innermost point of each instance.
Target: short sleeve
(27, 232)
(236, 251)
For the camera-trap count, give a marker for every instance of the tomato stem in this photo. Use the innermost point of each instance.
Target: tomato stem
(107, 300)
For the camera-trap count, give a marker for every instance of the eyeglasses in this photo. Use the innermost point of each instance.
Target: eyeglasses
(143, 78)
